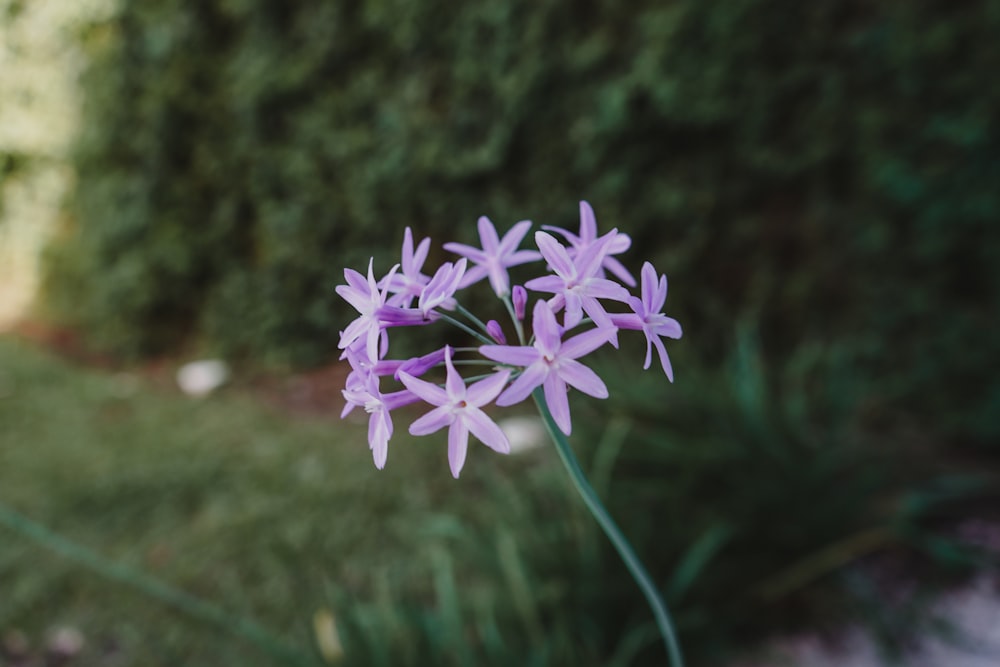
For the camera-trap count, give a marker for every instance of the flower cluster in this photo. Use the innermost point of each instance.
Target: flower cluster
(570, 322)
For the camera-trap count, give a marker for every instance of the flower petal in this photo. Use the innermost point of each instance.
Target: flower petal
(668, 327)
(524, 384)
(486, 430)
(602, 288)
(579, 376)
(454, 384)
(474, 275)
(406, 259)
(488, 236)
(515, 355)
(548, 333)
(548, 284)
(585, 343)
(420, 256)
(356, 281)
(555, 396)
(574, 309)
(648, 275)
(573, 239)
(627, 320)
(435, 420)
(513, 237)
(475, 254)
(360, 301)
(522, 257)
(353, 331)
(555, 254)
(485, 390)
(431, 393)
(379, 432)
(458, 444)
(668, 370)
(617, 268)
(588, 223)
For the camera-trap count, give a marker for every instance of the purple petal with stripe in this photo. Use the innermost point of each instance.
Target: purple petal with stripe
(458, 445)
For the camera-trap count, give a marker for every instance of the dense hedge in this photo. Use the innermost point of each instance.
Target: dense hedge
(825, 170)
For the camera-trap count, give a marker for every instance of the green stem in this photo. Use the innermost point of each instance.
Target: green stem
(513, 316)
(154, 588)
(624, 549)
(464, 327)
(472, 318)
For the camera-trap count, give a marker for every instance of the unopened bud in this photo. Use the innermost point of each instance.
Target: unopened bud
(495, 332)
(520, 298)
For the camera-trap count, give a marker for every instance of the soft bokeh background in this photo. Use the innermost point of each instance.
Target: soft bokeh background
(819, 181)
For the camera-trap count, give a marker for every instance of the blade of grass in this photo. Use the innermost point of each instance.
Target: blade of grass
(187, 604)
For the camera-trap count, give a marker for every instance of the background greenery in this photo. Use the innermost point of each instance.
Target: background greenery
(817, 180)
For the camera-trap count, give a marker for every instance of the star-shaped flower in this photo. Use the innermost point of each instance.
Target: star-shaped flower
(588, 235)
(441, 288)
(436, 293)
(408, 283)
(576, 282)
(362, 390)
(648, 318)
(459, 408)
(367, 300)
(496, 255)
(551, 363)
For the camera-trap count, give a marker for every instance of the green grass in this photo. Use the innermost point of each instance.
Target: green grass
(271, 517)
(754, 497)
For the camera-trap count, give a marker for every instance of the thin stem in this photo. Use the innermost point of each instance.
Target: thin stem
(184, 602)
(474, 378)
(472, 318)
(614, 534)
(473, 362)
(513, 316)
(464, 327)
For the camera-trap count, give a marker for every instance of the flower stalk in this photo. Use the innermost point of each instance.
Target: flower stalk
(610, 528)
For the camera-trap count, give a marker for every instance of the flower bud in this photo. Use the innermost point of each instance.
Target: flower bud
(496, 333)
(520, 299)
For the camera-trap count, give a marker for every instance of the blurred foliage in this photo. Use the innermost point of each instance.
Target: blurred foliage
(273, 517)
(745, 516)
(825, 169)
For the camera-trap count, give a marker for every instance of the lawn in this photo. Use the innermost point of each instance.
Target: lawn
(271, 515)
(252, 528)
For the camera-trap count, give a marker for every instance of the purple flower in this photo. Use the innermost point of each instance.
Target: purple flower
(576, 283)
(366, 299)
(497, 254)
(397, 316)
(417, 366)
(414, 366)
(552, 364)
(362, 390)
(648, 318)
(458, 408)
(409, 282)
(439, 291)
(588, 236)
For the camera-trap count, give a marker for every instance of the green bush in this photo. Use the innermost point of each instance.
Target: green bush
(826, 171)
